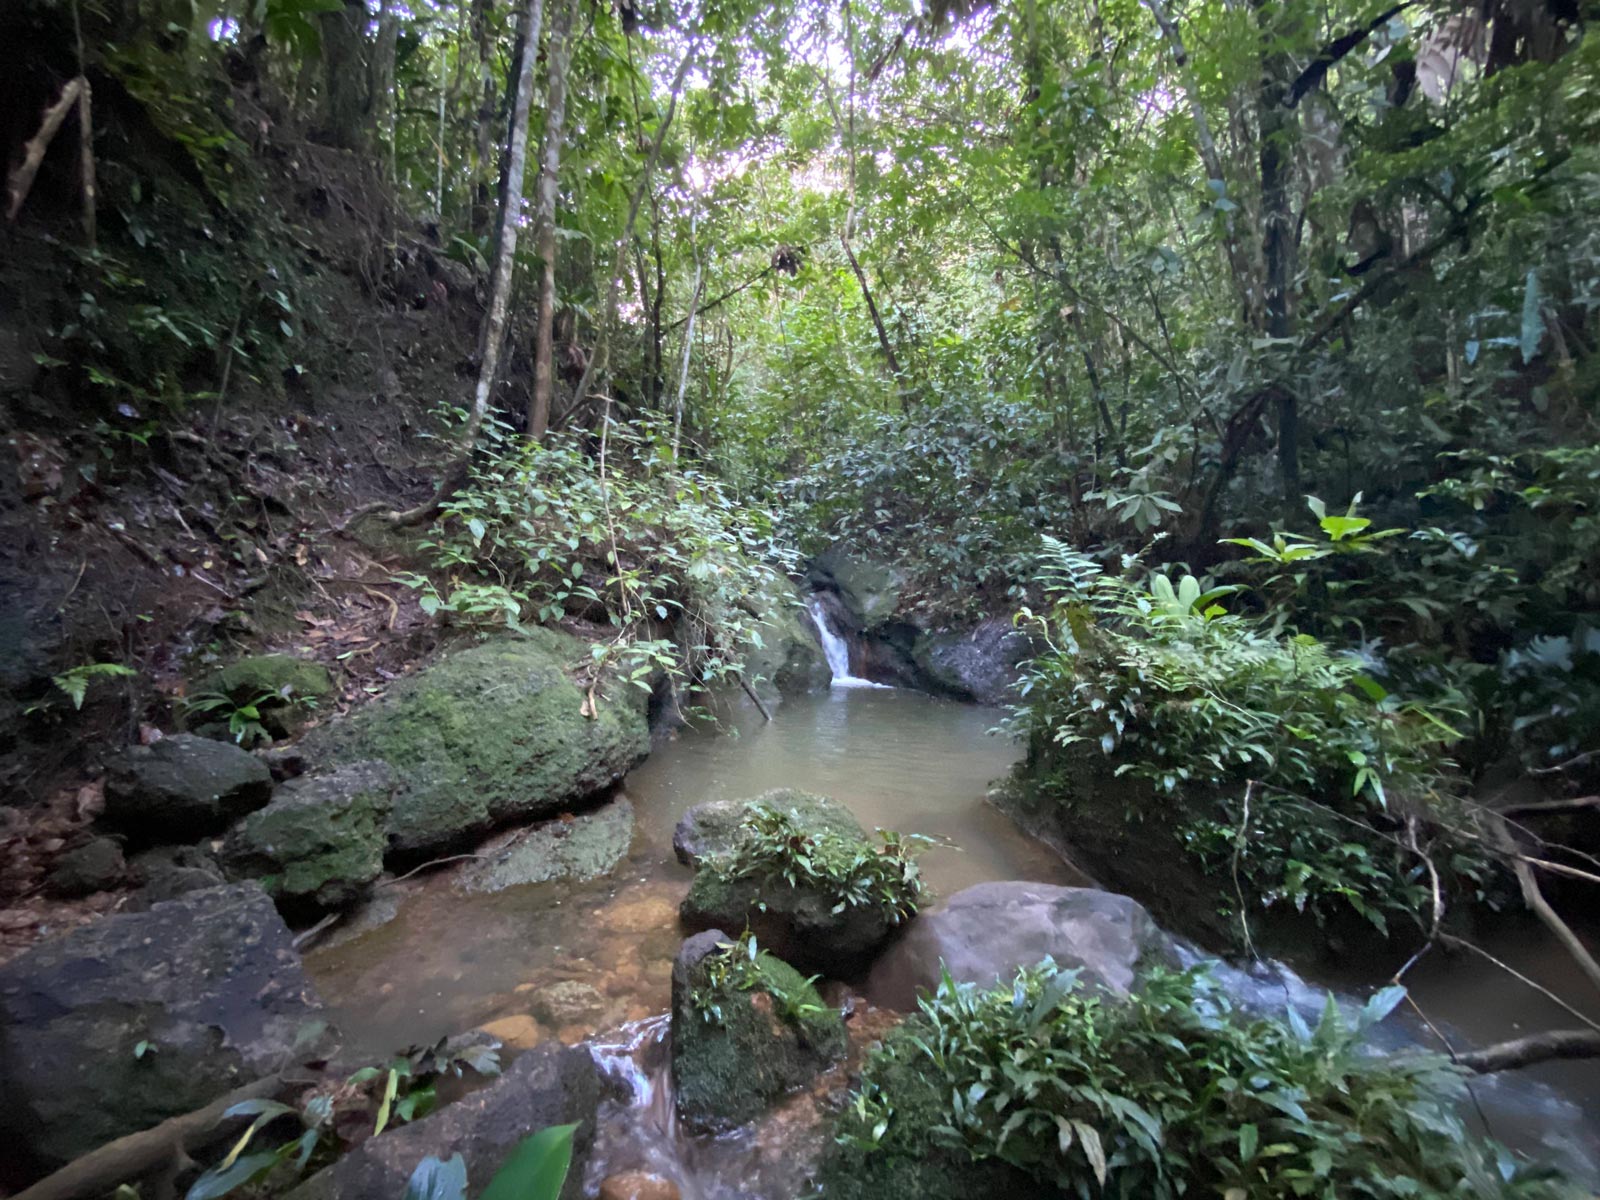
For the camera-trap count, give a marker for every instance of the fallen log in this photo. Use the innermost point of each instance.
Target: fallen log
(1535, 1048)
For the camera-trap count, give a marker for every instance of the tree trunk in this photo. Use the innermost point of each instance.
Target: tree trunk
(344, 74)
(484, 166)
(494, 323)
(1277, 134)
(544, 219)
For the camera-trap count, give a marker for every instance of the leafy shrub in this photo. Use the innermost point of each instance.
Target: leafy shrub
(742, 966)
(774, 847)
(1166, 1094)
(542, 532)
(1210, 707)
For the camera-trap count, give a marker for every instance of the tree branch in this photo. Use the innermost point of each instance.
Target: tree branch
(1535, 1048)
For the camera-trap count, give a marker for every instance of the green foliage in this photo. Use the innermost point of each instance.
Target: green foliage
(243, 717)
(742, 966)
(535, 1170)
(665, 556)
(1210, 708)
(849, 871)
(1170, 1093)
(74, 683)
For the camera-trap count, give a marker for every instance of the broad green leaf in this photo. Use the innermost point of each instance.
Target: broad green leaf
(537, 1167)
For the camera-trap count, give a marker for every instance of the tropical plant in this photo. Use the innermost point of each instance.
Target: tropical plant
(536, 1169)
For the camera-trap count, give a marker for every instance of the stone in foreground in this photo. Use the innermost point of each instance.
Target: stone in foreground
(208, 983)
(766, 1042)
(984, 933)
(548, 1086)
(183, 788)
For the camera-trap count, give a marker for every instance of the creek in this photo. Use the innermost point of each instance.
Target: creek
(450, 961)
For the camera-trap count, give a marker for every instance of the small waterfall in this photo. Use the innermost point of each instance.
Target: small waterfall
(836, 649)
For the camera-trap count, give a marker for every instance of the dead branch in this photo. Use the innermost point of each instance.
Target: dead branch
(1535, 1048)
(1545, 807)
(1534, 899)
(1461, 943)
(139, 1154)
(20, 182)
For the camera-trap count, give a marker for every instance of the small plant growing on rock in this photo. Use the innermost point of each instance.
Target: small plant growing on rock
(742, 966)
(851, 871)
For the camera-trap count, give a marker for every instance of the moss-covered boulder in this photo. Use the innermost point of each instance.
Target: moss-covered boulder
(486, 736)
(717, 826)
(284, 689)
(583, 847)
(984, 663)
(745, 1032)
(321, 840)
(789, 661)
(740, 882)
(869, 588)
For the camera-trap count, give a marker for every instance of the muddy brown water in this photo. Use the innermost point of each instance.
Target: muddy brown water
(450, 961)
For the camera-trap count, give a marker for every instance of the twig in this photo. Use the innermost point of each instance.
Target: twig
(310, 935)
(1238, 888)
(394, 609)
(437, 862)
(1451, 940)
(21, 180)
(1535, 1048)
(751, 692)
(1578, 761)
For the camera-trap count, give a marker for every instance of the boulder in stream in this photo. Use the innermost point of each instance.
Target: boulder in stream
(803, 923)
(583, 847)
(138, 1017)
(789, 660)
(183, 787)
(983, 663)
(552, 1085)
(869, 588)
(321, 840)
(486, 736)
(983, 934)
(744, 1032)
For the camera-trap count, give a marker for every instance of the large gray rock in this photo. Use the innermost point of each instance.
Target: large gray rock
(760, 1043)
(984, 933)
(869, 588)
(551, 1085)
(586, 847)
(789, 660)
(487, 736)
(983, 663)
(182, 788)
(715, 827)
(320, 841)
(209, 981)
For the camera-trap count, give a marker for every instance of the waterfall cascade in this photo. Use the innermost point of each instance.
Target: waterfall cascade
(836, 649)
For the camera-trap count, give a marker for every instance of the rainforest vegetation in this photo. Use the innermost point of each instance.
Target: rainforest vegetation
(1241, 358)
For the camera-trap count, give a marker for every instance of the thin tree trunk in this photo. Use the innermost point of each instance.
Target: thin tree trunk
(1276, 133)
(494, 326)
(890, 360)
(688, 341)
(544, 219)
(344, 79)
(482, 204)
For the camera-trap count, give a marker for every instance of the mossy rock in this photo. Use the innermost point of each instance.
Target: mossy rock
(870, 589)
(789, 661)
(321, 840)
(716, 827)
(768, 1040)
(907, 1164)
(487, 736)
(295, 687)
(585, 847)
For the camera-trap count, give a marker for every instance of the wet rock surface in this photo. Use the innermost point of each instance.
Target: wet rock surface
(760, 1044)
(983, 664)
(486, 736)
(789, 660)
(320, 841)
(183, 787)
(984, 933)
(716, 827)
(551, 1085)
(209, 983)
(584, 847)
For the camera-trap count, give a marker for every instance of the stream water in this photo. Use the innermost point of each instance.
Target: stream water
(450, 961)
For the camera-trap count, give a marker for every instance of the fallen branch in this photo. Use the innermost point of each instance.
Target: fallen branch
(1534, 899)
(21, 180)
(1536, 1048)
(1550, 806)
(139, 1154)
(1461, 943)
(751, 692)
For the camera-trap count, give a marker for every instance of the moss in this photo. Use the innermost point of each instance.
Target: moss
(769, 1040)
(789, 659)
(297, 684)
(488, 735)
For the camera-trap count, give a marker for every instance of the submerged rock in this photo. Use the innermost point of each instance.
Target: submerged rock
(320, 841)
(92, 867)
(736, 1050)
(208, 985)
(983, 663)
(182, 788)
(638, 1185)
(984, 933)
(715, 827)
(548, 1086)
(284, 689)
(586, 847)
(567, 1003)
(486, 736)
